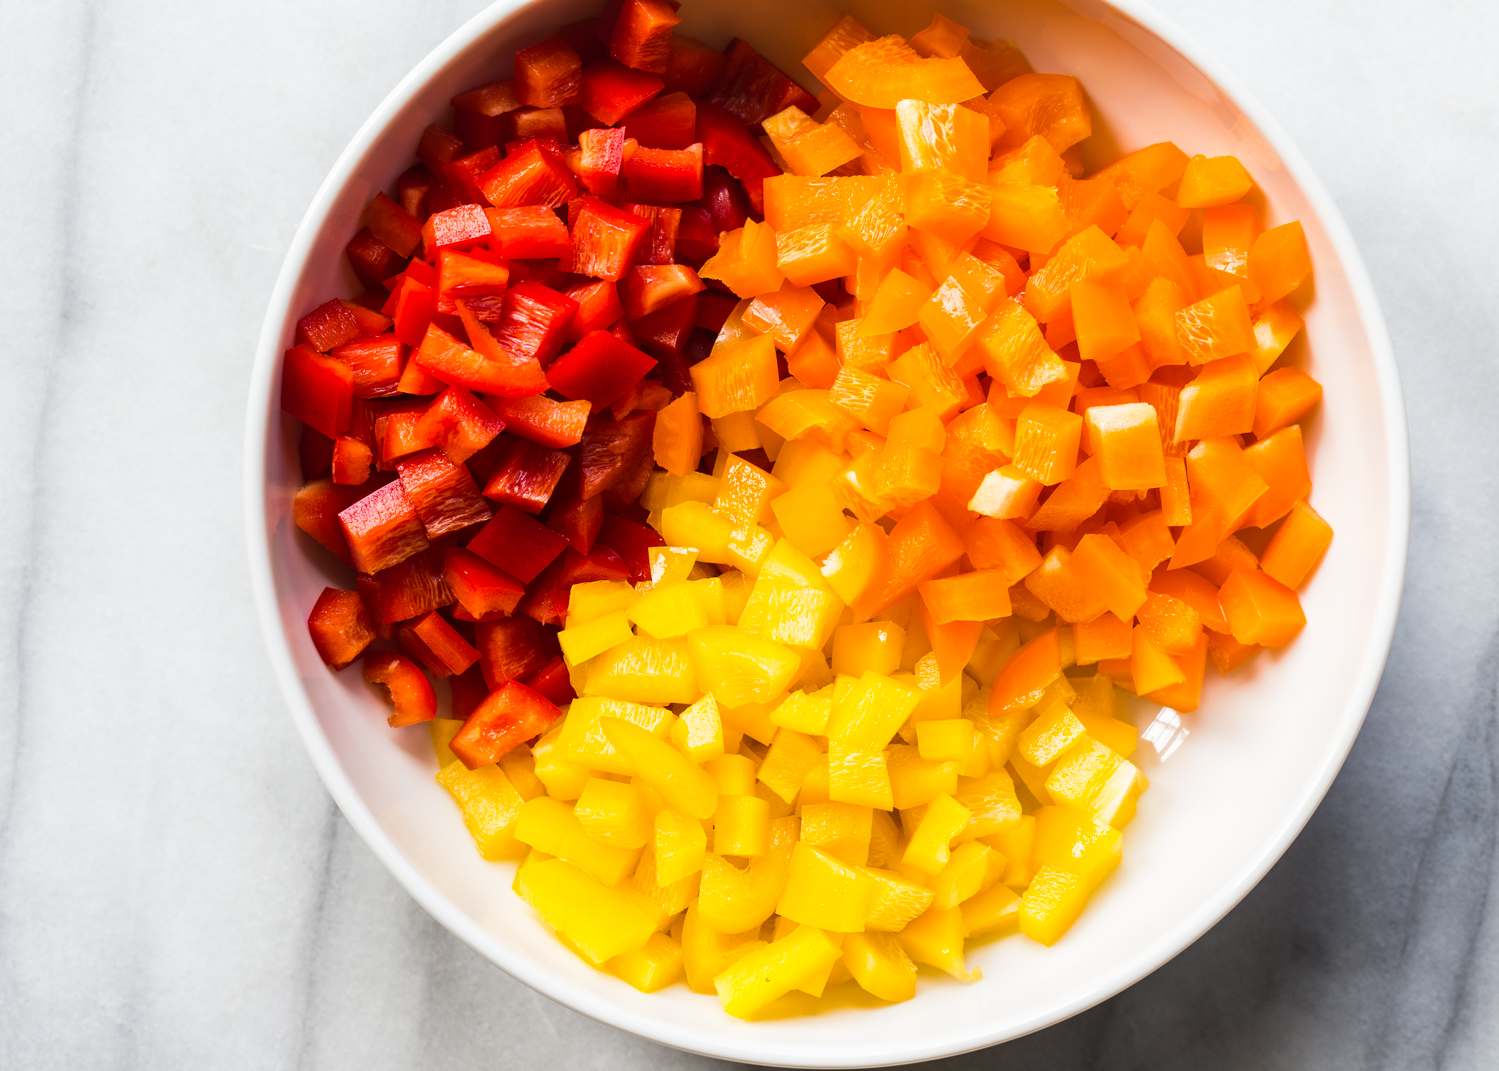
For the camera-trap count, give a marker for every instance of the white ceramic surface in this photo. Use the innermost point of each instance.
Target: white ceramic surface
(1223, 806)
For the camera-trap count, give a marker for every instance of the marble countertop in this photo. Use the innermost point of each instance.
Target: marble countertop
(176, 887)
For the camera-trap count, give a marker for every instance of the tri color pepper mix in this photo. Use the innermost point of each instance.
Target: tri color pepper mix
(786, 483)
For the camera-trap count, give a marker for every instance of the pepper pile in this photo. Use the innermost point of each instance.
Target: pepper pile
(805, 449)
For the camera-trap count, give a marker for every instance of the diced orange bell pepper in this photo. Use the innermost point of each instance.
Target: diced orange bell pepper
(1228, 233)
(1151, 667)
(738, 377)
(746, 261)
(1103, 320)
(1147, 538)
(1186, 694)
(932, 383)
(1026, 216)
(920, 546)
(943, 135)
(1050, 105)
(1273, 332)
(1062, 588)
(886, 71)
(1211, 181)
(1164, 253)
(1230, 554)
(1279, 261)
(786, 315)
(1112, 575)
(1046, 442)
(1215, 327)
(946, 204)
(1197, 591)
(955, 313)
(1176, 499)
(845, 34)
(814, 362)
(1073, 502)
(977, 596)
(1281, 462)
(1220, 472)
(1000, 545)
(793, 201)
(814, 254)
(678, 437)
(1016, 354)
(1145, 171)
(1151, 207)
(896, 304)
(953, 643)
(869, 399)
(1155, 317)
(1260, 609)
(1227, 653)
(1106, 636)
(1172, 624)
(1024, 677)
(1006, 493)
(1297, 546)
(809, 147)
(1089, 254)
(801, 413)
(862, 350)
(1126, 441)
(1285, 397)
(1220, 401)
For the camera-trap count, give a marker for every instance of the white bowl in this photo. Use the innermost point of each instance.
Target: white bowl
(1262, 750)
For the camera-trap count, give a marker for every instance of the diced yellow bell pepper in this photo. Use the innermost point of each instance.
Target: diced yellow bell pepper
(664, 901)
(582, 738)
(812, 519)
(1052, 903)
(1032, 777)
(652, 967)
(599, 921)
(667, 610)
(707, 953)
(519, 765)
(992, 802)
(581, 642)
(775, 970)
(859, 565)
(806, 463)
(736, 592)
(679, 845)
(550, 826)
(927, 849)
(972, 868)
(1120, 737)
(994, 911)
(1044, 740)
(936, 939)
(735, 774)
(1016, 842)
(805, 712)
(786, 764)
(699, 731)
(880, 965)
(842, 830)
(738, 668)
(871, 647)
(884, 841)
(1069, 839)
(915, 781)
(644, 670)
(1115, 802)
(614, 813)
(682, 784)
(823, 892)
(731, 900)
(1081, 773)
(709, 591)
(667, 564)
(563, 778)
(745, 491)
(950, 739)
(870, 710)
(490, 806)
(787, 563)
(753, 719)
(443, 730)
(741, 826)
(894, 900)
(663, 490)
(815, 785)
(596, 598)
(791, 613)
(857, 774)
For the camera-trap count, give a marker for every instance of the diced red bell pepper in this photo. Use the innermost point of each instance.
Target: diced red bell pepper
(692, 67)
(547, 126)
(456, 229)
(661, 240)
(667, 331)
(367, 314)
(575, 518)
(642, 34)
(480, 283)
(481, 588)
(665, 176)
(314, 453)
(480, 116)
(468, 690)
(517, 543)
(612, 91)
(510, 649)
(600, 156)
(438, 148)
(752, 89)
(459, 423)
(533, 323)
(547, 597)
(529, 176)
(411, 692)
(612, 448)
(507, 718)
(372, 260)
(649, 287)
(605, 240)
(393, 225)
(548, 75)
(601, 563)
(454, 363)
(419, 270)
(668, 122)
(527, 475)
(443, 493)
(697, 239)
(369, 591)
(728, 144)
(442, 196)
(599, 368)
(449, 652)
(340, 627)
(583, 38)
(624, 492)
(464, 173)
(552, 682)
(351, 461)
(411, 306)
(411, 588)
(633, 543)
(399, 431)
(528, 232)
(578, 121)
(317, 389)
(329, 325)
(411, 190)
(598, 307)
(315, 509)
(544, 420)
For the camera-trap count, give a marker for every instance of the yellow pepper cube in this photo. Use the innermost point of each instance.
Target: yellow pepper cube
(443, 730)
(699, 731)
(731, 900)
(738, 668)
(775, 970)
(927, 849)
(915, 781)
(651, 967)
(707, 953)
(582, 738)
(679, 845)
(786, 764)
(599, 921)
(741, 826)
(614, 813)
(667, 564)
(745, 491)
(815, 785)
(858, 565)
(550, 826)
(884, 841)
(994, 911)
(1044, 740)
(1016, 842)
(789, 613)
(1120, 737)
(936, 939)
(858, 775)
(805, 712)
(711, 598)
(870, 647)
(894, 900)
(519, 765)
(1069, 839)
(582, 642)
(562, 778)
(595, 598)
(1052, 903)
(645, 670)
(667, 610)
(951, 739)
(664, 902)
(735, 774)
(1081, 773)
(992, 802)
(1115, 802)
(840, 829)
(700, 526)
(880, 965)
(972, 868)
(870, 710)
(823, 892)
(812, 519)
(684, 785)
(806, 463)
(490, 806)
(734, 431)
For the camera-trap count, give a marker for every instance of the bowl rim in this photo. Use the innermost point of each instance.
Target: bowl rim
(1098, 989)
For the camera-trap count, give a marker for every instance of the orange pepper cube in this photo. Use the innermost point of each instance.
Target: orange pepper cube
(895, 305)
(1228, 233)
(814, 362)
(1112, 575)
(1089, 254)
(1127, 443)
(946, 205)
(1103, 320)
(859, 349)
(1285, 397)
(1052, 106)
(943, 135)
(786, 315)
(1151, 667)
(1280, 461)
(1273, 332)
(1015, 352)
(1172, 624)
(745, 261)
(1145, 171)
(1211, 181)
(1026, 216)
(813, 254)
(1220, 401)
(1260, 609)
(738, 377)
(1006, 494)
(932, 383)
(982, 595)
(1279, 261)
(869, 399)
(1296, 546)
(811, 518)
(1218, 326)
(1046, 442)
(1106, 636)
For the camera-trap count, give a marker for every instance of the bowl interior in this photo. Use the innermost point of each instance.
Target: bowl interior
(1230, 785)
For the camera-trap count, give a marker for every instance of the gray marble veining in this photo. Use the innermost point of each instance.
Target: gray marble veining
(177, 890)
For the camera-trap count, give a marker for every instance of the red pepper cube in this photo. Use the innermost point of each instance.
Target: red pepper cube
(612, 91)
(724, 201)
(517, 543)
(530, 232)
(463, 175)
(729, 145)
(314, 453)
(605, 240)
(327, 326)
(393, 225)
(692, 67)
(411, 308)
(668, 122)
(599, 368)
(528, 176)
(544, 420)
(399, 432)
(507, 718)
(546, 126)
(696, 239)
(442, 492)
(479, 282)
(665, 176)
(376, 364)
(713, 309)
(411, 692)
(601, 563)
(601, 155)
(598, 307)
(340, 627)
(317, 389)
(315, 509)
(367, 314)
(480, 116)
(480, 588)
(412, 186)
(612, 448)
(455, 229)
(752, 89)
(351, 461)
(649, 287)
(667, 331)
(459, 423)
(552, 682)
(372, 260)
(456, 364)
(438, 147)
(546, 600)
(633, 543)
(526, 476)
(641, 37)
(438, 646)
(511, 649)
(575, 518)
(382, 529)
(534, 321)
(548, 75)
(661, 240)
(411, 588)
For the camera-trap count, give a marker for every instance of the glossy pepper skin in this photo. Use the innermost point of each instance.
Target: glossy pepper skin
(410, 691)
(509, 716)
